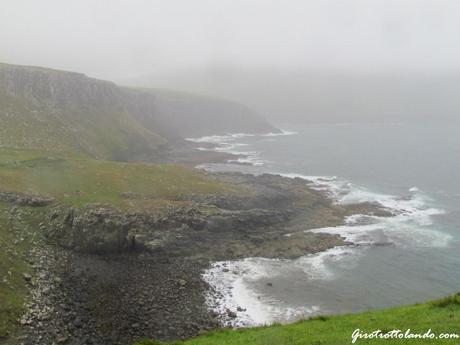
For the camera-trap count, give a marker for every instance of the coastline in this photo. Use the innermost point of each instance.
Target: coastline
(157, 293)
(181, 279)
(373, 220)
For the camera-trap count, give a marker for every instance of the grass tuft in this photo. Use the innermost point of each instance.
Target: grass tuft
(449, 301)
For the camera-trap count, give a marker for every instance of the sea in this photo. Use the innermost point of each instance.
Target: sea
(413, 256)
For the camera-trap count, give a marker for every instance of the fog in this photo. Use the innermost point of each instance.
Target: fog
(320, 60)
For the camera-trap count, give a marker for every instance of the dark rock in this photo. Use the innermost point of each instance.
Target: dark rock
(231, 314)
(62, 339)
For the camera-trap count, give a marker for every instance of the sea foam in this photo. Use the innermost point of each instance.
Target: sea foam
(228, 144)
(409, 225)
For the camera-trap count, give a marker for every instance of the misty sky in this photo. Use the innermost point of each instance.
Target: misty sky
(117, 39)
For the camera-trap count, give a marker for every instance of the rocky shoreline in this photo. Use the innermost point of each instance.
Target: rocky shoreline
(107, 276)
(84, 299)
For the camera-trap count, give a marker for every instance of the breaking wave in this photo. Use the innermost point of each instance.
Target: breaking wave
(409, 224)
(228, 144)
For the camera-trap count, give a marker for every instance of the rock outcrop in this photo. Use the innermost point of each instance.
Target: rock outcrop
(58, 89)
(207, 225)
(102, 230)
(25, 199)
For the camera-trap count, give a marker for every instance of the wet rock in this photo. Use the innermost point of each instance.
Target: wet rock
(231, 314)
(62, 339)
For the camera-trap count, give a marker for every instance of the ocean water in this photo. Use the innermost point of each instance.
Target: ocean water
(413, 256)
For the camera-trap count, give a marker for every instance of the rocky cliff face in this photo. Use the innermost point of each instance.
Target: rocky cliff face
(239, 226)
(58, 89)
(65, 111)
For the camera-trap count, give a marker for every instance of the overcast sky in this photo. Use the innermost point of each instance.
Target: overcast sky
(116, 39)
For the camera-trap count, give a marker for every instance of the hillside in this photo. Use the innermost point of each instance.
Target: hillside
(114, 251)
(32, 182)
(440, 317)
(64, 111)
(69, 112)
(193, 115)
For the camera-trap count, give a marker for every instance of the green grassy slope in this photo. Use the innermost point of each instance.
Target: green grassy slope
(77, 180)
(24, 127)
(74, 180)
(63, 111)
(99, 133)
(441, 316)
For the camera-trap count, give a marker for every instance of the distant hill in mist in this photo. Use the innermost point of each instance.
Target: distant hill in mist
(325, 96)
(193, 115)
(65, 111)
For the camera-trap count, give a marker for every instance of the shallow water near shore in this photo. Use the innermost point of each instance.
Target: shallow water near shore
(407, 258)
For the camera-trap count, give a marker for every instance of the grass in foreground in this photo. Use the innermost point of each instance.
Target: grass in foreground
(442, 316)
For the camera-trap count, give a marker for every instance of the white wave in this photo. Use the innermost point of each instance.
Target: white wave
(282, 133)
(232, 287)
(389, 231)
(217, 139)
(409, 225)
(331, 185)
(230, 148)
(316, 266)
(208, 139)
(232, 282)
(249, 157)
(242, 135)
(227, 144)
(231, 291)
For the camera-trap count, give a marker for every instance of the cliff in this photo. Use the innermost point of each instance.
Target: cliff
(192, 115)
(65, 111)
(69, 112)
(58, 89)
